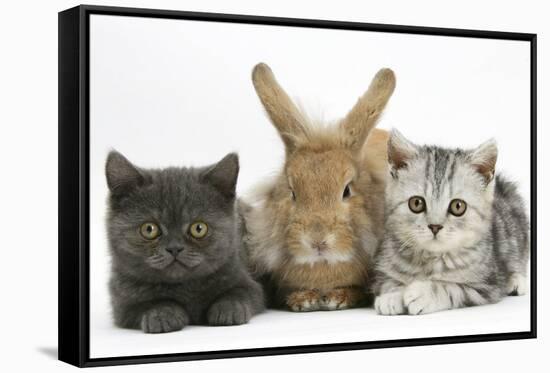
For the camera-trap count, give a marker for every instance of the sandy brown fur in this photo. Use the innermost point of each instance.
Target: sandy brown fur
(303, 234)
(322, 276)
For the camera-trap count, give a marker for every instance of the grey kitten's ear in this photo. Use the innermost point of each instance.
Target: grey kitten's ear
(122, 176)
(484, 159)
(223, 175)
(400, 151)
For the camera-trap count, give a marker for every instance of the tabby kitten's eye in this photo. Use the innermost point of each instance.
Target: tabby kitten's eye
(293, 195)
(457, 207)
(417, 204)
(149, 231)
(198, 229)
(347, 192)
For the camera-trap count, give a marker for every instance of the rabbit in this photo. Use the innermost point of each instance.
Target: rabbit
(312, 232)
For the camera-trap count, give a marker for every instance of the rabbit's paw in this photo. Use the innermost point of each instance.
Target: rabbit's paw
(304, 300)
(390, 303)
(164, 319)
(338, 299)
(229, 312)
(420, 297)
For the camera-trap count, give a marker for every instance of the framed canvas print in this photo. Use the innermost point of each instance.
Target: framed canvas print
(234, 186)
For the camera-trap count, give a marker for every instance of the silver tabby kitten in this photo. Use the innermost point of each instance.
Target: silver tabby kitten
(456, 235)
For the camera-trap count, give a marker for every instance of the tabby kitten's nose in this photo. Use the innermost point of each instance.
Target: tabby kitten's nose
(174, 250)
(435, 228)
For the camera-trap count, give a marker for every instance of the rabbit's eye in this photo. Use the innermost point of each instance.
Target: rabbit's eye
(347, 192)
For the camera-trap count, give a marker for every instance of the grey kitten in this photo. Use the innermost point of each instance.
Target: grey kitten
(456, 235)
(175, 240)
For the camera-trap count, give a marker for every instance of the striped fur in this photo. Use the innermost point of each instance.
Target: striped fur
(476, 258)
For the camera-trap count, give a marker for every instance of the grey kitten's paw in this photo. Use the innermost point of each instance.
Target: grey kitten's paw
(420, 298)
(229, 312)
(164, 319)
(390, 303)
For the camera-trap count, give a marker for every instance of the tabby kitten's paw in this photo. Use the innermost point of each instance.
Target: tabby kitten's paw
(304, 300)
(229, 312)
(164, 319)
(390, 303)
(420, 298)
(517, 285)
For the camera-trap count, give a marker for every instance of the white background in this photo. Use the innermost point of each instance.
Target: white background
(29, 157)
(173, 92)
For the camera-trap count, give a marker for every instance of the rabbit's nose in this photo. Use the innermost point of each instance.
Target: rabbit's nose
(320, 245)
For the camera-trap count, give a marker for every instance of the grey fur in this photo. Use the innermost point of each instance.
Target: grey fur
(206, 283)
(475, 259)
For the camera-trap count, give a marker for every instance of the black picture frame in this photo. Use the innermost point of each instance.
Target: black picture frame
(74, 183)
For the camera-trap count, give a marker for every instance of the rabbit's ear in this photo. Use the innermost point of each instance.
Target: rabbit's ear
(283, 113)
(122, 175)
(400, 151)
(223, 175)
(484, 159)
(366, 112)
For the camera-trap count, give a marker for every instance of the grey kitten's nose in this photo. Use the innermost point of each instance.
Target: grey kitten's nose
(174, 250)
(435, 228)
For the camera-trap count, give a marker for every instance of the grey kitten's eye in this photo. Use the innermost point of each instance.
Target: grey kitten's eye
(347, 192)
(417, 204)
(457, 207)
(149, 231)
(198, 229)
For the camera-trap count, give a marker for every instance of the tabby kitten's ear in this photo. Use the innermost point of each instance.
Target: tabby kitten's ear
(484, 159)
(223, 175)
(400, 151)
(122, 175)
